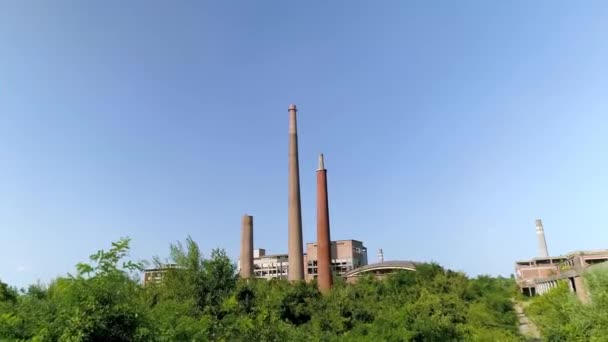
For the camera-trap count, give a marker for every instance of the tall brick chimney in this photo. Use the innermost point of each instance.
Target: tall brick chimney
(542, 242)
(324, 279)
(295, 249)
(247, 247)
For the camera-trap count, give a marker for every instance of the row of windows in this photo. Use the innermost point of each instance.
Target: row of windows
(154, 274)
(270, 272)
(335, 262)
(335, 269)
(259, 266)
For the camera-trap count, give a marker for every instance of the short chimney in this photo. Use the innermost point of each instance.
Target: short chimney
(247, 247)
(324, 276)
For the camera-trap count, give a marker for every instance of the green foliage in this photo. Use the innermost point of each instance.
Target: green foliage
(557, 314)
(561, 316)
(106, 263)
(7, 294)
(202, 299)
(102, 302)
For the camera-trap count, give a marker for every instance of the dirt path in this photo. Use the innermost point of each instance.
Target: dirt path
(526, 327)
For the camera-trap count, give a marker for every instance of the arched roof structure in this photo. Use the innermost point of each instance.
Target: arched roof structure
(384, 267)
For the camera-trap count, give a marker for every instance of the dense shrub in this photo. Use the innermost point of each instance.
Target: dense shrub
(202, 300)
(560, 316)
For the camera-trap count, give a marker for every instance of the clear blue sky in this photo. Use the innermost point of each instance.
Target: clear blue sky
(447, 126)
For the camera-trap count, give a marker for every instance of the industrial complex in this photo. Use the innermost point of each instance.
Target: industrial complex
(346, 255)
(538, 275)
(324, 258)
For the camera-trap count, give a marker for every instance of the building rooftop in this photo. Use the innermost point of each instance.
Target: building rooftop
(395, 264)
(334, 241)
(588, 252)
(565, 256)
(161, 268)
(280, 255)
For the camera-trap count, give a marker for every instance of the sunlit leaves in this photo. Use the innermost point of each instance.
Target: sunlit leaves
(203, 299)
(561, 316)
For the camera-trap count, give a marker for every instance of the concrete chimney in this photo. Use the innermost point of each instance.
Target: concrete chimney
(380, 256)
(542, 242)
(247, 247)
(295, 249)
(324, 279)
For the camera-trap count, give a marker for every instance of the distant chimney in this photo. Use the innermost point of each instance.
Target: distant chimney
(380, 256)
(247, 247)
(542, 242)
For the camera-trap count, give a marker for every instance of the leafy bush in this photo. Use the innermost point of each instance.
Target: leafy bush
(560, 316)
(204, 300)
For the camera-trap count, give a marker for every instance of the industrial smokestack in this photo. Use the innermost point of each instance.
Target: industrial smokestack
(542, 242)
(247, 247)
(380, 255)
(295, 257)
(324, 278)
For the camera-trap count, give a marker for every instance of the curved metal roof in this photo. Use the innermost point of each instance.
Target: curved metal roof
(386, 265)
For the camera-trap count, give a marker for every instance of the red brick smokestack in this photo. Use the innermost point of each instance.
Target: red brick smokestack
(295, 250)
(247, 247)
(324, 278)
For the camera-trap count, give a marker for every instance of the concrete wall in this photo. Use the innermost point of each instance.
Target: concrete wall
(345, 255)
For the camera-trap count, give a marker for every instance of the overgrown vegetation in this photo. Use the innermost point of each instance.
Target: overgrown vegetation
(203, 300)
(560, 316)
